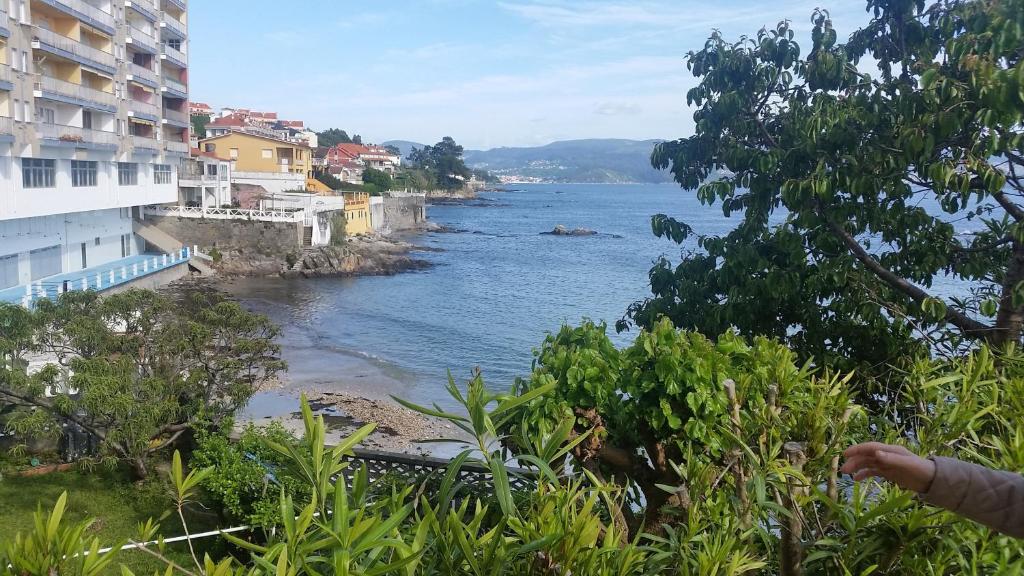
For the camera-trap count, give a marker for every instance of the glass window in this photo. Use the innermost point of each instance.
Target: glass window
(38, 173)
(83, 173)
(211, 169)
(268, 153)
(161, 174)
(127, 173)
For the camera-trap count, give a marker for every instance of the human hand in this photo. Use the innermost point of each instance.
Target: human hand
(893, 463)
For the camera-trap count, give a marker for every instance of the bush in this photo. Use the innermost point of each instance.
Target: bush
(215, 254)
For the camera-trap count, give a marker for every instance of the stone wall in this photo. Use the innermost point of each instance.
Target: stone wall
(404, 211)
(245, 236)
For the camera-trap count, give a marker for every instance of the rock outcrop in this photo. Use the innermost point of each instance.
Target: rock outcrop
(563, 231)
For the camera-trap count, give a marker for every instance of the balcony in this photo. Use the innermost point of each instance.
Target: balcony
(143, 75)
(74, 50)
(176, 147)
(77, 137)
(85, 12)
(141, 40)
(177, 117)
(144, 110)
(173, 56)
(173, 26)
(69, 93)
(179, 3)
(174, 88)
(145, 143)
(143, 7)
(4, 32)
(5, 77)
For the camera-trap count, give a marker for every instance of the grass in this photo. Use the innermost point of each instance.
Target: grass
(118, 506)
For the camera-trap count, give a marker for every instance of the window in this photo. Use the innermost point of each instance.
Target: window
(233, 152)
(45, 115)
(87, 119)
(120, 127)
(24, 61)
(268, 153)
(14, 58)
(85, 259)
(127, 173)
(211, 147)
(17, 110)
(161, 174)
(38, 173)
(125, 213)
(27, 110)
(83, 173)
(97, 241)
(126, 245)
(211, 169)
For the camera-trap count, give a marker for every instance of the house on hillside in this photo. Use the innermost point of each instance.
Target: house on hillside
(275, 164)
(370, 156)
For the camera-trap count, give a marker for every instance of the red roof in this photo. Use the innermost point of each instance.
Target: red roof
(293, 123)
(197, 152)
(231, 120)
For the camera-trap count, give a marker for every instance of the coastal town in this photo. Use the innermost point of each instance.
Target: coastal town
(119, 179)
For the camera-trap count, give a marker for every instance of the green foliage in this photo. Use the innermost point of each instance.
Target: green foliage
(373, 177)
(443, 161)
(216, 255)
(133, 369)
(199, 122)
(847, 165)
(338, 232)
(334, 136)
(330, 181)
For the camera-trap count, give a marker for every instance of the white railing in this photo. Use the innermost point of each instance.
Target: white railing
(174, 84)
(228, 213)
(75, 134)
(143, 72)
(171, 22)
(6, 125)
(143, 107)
(145, 142)
(87, 9)
(48, 84)
(174, 54)
(143, 38)
(73, 46)
(172, 146)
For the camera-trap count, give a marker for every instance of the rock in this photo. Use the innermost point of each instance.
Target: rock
(563, 231)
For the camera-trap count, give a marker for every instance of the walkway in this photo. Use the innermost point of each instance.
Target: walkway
(99, 278)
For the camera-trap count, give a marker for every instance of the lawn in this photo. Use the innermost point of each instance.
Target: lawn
(118, 506)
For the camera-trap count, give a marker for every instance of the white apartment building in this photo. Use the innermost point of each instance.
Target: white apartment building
(94, 123)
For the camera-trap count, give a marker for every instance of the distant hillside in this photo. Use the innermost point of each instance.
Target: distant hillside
(404, 145)
(589, 161)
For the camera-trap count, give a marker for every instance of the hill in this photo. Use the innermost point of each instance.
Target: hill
(586, 161)
(405, 146)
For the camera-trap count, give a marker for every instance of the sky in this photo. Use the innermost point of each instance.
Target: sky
(489, 73)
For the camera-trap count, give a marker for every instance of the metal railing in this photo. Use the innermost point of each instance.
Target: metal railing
(174, 54)
(145, 142)
(85, 8)
(75, 134)
(48, 37)
(174, 84)
(142, 38)
(171, 22)
(6, 125)
(228, 213)
(172, 146)
(143, 72)
(143, 107)
(49, 84)
(177, 116)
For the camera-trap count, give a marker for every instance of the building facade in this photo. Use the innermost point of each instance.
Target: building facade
(257, 153)
(93, 125)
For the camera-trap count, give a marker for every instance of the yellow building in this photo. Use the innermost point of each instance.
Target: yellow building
(255, 153)
(357, 213)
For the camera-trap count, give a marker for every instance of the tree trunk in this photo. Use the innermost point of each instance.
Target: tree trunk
(791, 553)
(139, 467)
(1010, 318)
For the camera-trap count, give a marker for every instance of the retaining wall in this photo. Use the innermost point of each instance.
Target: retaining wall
(404, 211)
(246, 236)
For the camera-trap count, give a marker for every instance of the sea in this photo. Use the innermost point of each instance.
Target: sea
(497, 286)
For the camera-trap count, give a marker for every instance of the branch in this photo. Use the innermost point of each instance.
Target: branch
(984, 248)
(954, 317)
(1011, 208)
(53, 410)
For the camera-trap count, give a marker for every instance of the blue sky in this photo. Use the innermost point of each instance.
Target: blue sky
(488, 73)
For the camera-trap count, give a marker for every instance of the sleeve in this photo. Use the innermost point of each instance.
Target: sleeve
(990, 497)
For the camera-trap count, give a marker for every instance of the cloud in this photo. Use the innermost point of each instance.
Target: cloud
(617, 109)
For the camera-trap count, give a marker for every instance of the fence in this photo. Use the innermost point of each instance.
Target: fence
(417, 469)
(228, 213)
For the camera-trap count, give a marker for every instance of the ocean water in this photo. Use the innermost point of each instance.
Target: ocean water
(497, 287)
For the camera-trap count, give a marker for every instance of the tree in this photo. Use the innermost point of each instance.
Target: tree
(846, 186)
(329, 180)
(134, 370)
(393, 150)
(199, 122)
(444, 161)
(382, 180)
(332, 137)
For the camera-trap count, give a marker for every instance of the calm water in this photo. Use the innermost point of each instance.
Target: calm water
(497, 287)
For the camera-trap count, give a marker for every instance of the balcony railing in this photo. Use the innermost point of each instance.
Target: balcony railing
(143, 73)
(144, 7)
(74, 48)
(142, 40)
(76, 7)
(177, 116)
(146, 108)
(48, 84)
(76, 134)
(174, 55)
(179, 147)
(5, 72)
(145, 142)
(6, 125)
(172, 24)
(174, 85)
